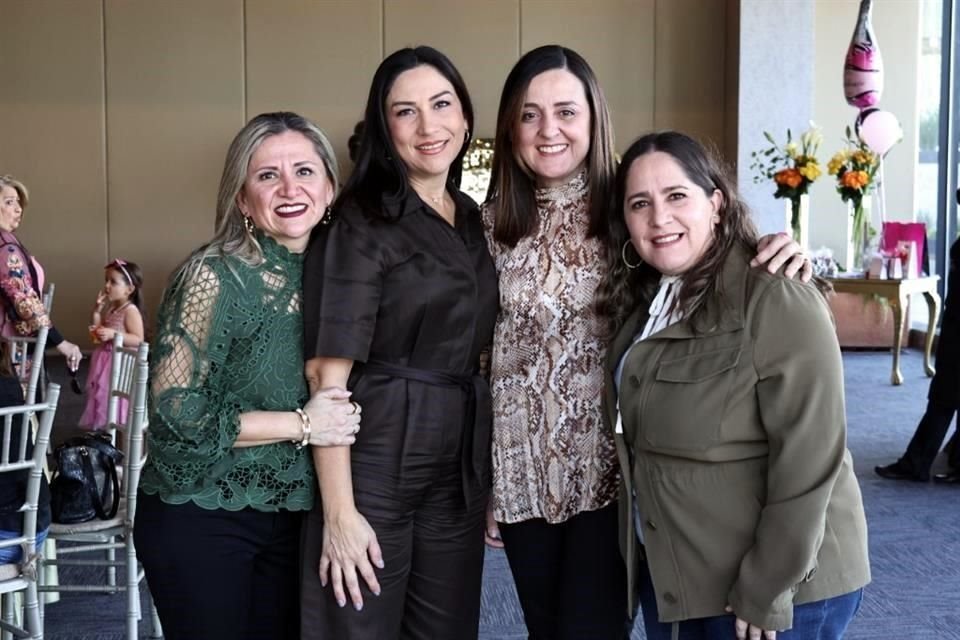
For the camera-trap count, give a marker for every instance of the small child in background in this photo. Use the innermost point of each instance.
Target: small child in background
(117, 310)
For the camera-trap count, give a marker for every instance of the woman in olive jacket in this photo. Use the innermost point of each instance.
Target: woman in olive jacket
(725, 386)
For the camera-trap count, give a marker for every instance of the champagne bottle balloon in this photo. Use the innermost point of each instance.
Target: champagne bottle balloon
(863, 67)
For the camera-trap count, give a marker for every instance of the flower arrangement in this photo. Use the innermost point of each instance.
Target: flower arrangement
(855, 168)
(477, 164)
(793, 167)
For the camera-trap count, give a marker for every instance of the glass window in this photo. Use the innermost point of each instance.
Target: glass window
(927, 192)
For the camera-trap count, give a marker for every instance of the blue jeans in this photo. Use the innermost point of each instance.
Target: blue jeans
(821, 620)
(9, 555)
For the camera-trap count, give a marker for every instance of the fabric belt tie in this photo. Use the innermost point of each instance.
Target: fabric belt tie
(477, 421)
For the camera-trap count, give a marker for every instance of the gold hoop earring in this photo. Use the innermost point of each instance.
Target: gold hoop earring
(623, 255)
(248, 225)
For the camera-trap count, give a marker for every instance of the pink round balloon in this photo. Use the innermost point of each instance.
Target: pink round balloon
(880, 130)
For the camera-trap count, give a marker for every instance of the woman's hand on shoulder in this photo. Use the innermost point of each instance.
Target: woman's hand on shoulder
(334, 418)
(743, 630)
(776, 249)
(350, 551)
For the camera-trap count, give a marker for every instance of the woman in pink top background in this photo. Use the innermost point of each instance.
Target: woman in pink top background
(22, 278)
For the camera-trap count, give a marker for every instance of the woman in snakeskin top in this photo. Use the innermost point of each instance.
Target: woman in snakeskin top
(555, 478)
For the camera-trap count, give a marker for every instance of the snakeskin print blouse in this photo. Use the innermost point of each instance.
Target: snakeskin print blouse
(552, 455)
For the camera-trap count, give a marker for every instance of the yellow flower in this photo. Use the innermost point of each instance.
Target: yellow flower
(863, 158)
(836, 162)
(811, 171)
(791, 149)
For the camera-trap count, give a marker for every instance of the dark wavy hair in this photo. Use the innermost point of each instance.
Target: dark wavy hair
(379, 172)
(353, 143)
(511, 190)
(132, 274)
(623, 289)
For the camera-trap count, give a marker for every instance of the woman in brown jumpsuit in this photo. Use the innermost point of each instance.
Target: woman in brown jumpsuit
(400, 296)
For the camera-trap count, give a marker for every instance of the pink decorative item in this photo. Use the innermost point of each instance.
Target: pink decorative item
(880, 130)
(907, 253)
(906, 241)
(863, 67)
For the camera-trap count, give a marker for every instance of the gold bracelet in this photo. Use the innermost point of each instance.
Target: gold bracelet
(305, 428)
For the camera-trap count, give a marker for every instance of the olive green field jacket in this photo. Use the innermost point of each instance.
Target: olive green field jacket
(734, 445)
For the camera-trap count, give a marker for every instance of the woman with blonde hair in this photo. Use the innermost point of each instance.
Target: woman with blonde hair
(22, 277)
(231, 427)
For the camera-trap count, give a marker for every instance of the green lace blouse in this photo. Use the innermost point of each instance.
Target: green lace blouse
(229, 340)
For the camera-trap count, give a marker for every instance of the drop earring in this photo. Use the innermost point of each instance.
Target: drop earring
(249, 226)
(327, 216)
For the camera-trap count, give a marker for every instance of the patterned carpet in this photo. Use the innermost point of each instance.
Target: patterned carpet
(914, 530)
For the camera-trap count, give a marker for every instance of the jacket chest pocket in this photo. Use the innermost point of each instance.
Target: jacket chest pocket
(686, 403)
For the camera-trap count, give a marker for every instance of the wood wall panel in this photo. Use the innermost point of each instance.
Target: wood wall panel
(481, 38)
(731, 76)
(118, 112)
(617, 39)
(691, 68)
(175, 99)
(313, 58)
(52, 139)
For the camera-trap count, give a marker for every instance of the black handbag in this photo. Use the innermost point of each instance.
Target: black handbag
(85, 484)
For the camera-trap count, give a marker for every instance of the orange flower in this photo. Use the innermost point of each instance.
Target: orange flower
(790, 177)
(855, 179)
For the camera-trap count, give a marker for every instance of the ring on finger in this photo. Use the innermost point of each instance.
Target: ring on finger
(356, 407)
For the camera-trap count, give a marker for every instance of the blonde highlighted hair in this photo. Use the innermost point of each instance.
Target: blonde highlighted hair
(230, 237)
(19, 187)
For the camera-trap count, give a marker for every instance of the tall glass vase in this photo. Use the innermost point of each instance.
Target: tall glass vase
(859, 235)
(797, 219)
